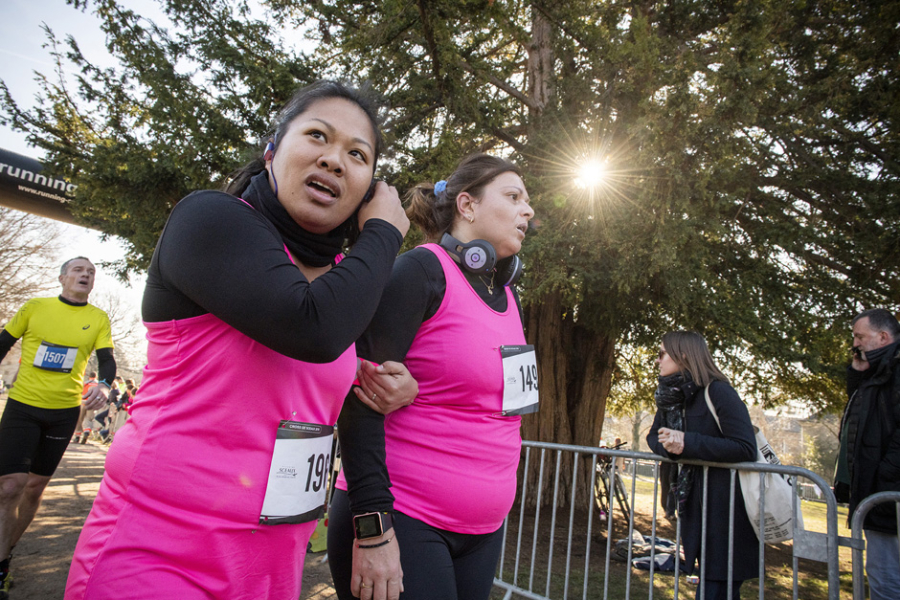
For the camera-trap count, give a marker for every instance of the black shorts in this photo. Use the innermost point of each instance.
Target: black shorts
(33, 440)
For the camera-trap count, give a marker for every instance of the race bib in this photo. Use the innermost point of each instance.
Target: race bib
(298, 477)
(520, 380)
(55, 358)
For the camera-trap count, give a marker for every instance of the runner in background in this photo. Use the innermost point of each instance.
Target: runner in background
(58, 336)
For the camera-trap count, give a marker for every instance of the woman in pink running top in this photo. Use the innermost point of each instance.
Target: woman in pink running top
(247, 312)
(428, 486)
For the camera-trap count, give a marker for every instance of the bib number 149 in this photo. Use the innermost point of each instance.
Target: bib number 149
(520, 380)
(528, 374)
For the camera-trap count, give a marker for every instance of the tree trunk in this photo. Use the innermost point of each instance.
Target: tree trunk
(540, 61)
(574, 374)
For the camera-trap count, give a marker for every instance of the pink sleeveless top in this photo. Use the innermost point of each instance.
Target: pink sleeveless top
(451, 456)
(179, 505)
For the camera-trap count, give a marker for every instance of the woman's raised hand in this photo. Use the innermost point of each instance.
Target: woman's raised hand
(385, 204)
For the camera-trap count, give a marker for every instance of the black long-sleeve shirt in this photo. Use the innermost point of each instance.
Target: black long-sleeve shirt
(413, 295)
(218, 255)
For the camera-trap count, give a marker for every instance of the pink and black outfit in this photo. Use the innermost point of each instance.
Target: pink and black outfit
(450, 458)
(239, 340)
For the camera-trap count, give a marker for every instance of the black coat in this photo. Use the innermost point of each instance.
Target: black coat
(874, 445)
(736, 442)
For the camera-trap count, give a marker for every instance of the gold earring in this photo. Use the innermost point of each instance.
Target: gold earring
(471, 218)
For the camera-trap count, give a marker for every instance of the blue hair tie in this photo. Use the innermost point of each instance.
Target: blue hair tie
(440, 186)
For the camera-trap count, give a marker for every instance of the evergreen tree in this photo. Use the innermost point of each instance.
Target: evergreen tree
(749, 154)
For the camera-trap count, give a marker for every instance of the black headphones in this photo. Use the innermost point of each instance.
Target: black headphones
(479, 257)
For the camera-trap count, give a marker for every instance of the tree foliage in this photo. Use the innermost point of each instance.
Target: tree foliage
(749, 150)
(177, 114)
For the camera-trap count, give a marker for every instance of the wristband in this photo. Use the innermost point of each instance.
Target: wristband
(378, 545)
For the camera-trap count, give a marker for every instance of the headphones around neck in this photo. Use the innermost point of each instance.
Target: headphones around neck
(479, 257)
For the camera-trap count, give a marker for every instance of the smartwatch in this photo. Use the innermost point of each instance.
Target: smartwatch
(371, 525)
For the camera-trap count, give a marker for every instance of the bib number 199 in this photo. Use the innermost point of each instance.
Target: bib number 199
(317, 478)
(298, 475)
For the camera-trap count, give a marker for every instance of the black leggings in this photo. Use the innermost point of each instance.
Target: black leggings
(437, 564)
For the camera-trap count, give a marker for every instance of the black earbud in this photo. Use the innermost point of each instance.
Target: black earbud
(268, 156)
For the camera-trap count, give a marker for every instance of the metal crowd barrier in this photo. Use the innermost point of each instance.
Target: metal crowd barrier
(858, 544)
(527, 565)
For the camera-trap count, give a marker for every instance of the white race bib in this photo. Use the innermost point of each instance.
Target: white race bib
(298, 477)
(51, 357)
(520, 380)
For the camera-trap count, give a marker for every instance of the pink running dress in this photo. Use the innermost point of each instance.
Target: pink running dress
(178, 509)
(451, 455)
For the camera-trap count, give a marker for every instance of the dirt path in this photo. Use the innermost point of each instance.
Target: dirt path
(42, 557)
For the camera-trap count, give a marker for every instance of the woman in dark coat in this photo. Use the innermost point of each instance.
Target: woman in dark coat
(684, 428)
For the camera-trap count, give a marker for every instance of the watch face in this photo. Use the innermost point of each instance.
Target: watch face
(368, 526)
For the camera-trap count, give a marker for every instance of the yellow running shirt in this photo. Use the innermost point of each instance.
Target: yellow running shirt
(57, 341)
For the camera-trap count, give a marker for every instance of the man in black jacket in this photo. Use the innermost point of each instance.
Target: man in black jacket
(869, 460)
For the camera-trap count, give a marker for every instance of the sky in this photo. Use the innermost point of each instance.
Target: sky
(21, 53)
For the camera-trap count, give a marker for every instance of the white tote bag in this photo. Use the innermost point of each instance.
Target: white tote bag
(778, 521)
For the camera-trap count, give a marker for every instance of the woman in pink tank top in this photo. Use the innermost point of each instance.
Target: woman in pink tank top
(428, 486)
(214, 485)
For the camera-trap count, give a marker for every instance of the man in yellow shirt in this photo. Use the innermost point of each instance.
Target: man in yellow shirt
(58, 336)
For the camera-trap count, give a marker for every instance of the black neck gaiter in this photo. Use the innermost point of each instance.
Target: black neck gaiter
(312, 249)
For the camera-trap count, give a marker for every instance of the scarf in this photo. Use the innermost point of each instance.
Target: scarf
(874, 357)
(312, 249)
(671, 393)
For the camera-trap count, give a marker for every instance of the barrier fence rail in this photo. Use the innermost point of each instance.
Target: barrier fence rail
(552, 561)
(858, 544)
(807, 491)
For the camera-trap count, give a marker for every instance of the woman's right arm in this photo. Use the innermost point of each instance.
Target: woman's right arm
(219, 256)
(409, 299)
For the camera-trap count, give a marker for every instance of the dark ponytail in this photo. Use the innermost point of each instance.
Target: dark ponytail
(238, 181)
(435, 213)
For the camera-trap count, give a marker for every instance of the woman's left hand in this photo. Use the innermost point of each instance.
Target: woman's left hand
(386, 387)
(672, 440)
